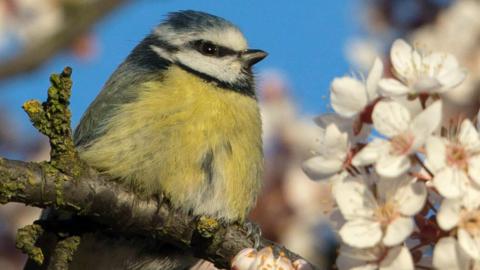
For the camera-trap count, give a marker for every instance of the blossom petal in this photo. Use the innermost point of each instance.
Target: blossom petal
(374, 76)
(392, 165)
(390, 118)
(451, 182)
(401, 56)
(451, 79)
(469, 244)
(246, 259)
(354, 199)
(474, 168)
(411, 198)
(449, 214)
(320, 167)
(265, 257)
(397, 231)
(392, 87)
(336, 142)
(425, 123)
(438, 59)
(436, 153)
(348, 96)
(284, 263)
(370, 153)
(333, 148)
(397, 258)
(355, 259)
(468, 136)
(332, 118)
(361, 233)
(344, 125)
(300, 264)
(449, 62)
(471, 198)
(426, 85)
(448, 256)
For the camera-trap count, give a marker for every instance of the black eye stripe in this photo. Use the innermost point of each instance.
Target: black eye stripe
(210, 49)
(224, 51)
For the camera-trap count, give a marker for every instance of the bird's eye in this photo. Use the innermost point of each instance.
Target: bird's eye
(210, 49)
(207, 48)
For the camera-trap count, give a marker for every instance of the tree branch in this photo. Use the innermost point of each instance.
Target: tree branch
(107, 203)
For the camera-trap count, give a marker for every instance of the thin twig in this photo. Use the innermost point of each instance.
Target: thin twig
(417, 158)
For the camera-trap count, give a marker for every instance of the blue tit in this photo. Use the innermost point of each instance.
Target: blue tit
(179, 117)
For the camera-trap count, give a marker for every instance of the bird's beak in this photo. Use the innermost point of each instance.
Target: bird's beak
(251, 57)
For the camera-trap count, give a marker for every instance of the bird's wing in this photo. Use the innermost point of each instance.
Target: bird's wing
(141, 65)
(117, 91)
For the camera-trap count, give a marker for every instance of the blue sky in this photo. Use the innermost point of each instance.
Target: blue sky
(305, 40)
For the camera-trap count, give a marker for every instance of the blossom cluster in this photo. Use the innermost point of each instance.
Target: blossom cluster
(265, 259)
(404, 168)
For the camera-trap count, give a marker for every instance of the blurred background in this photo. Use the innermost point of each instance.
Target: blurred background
(309, 45)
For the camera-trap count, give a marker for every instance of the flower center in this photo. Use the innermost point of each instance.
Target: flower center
(401, 144)
(386, 213)
(470, 221)
(457, 156)
(420, 70)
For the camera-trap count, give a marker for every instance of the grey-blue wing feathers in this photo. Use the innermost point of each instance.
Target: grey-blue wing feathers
(141, 65)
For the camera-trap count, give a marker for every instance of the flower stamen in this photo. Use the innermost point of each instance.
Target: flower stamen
(457, 156)
(401, 144)
(470, 221)
(386, 213)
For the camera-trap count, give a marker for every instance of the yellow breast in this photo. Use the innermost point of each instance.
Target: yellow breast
(195, 142)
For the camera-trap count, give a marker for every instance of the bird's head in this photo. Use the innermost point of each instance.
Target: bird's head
(208, 46)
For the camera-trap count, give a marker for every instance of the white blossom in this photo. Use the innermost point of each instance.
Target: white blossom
(331, 156)
(448, 255)
(374, 258)
(405, 135)
(455, 162)
(264, 259)
(464, 215)
(350, 96)
(385, 218)
(347, 125)
(419, 72)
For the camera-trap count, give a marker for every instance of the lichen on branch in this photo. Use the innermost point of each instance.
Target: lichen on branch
(25, 241)
(52, 118)
(63, 253)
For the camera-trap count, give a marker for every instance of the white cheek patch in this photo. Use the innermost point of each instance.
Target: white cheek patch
(225, 69)
(162, 53)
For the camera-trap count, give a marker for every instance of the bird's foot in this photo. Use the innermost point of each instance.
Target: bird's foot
(254, 232)
(159, 200)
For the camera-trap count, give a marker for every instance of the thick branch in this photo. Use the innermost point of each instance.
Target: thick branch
(108, 204)
(80, 16)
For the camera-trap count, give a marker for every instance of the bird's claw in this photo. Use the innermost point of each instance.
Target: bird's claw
(254, 232)
(159, 199)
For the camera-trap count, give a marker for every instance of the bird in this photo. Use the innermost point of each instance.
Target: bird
(178, 118)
